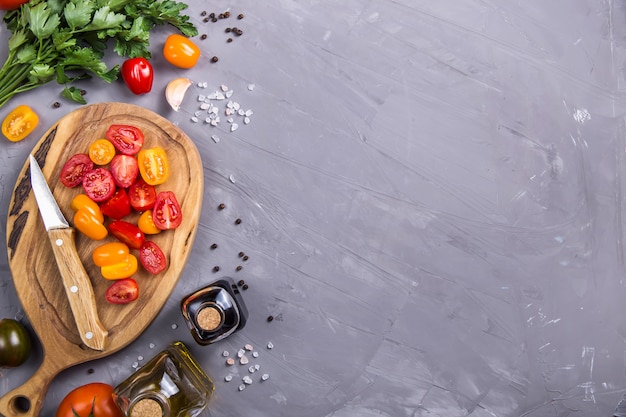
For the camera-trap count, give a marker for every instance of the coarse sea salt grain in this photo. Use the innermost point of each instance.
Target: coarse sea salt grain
(234, 127)
(243, 360)
(247, 380)
(241, 387)
(270, 345)
(215, 138)
(265, 377)
(228, 378)
(223, 88)
(251, 87)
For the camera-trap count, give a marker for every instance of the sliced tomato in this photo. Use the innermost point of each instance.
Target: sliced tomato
(166, 213)
(153, 165)
(124, 170)
(122, 291)
(99, 184)
(110, 253)
(74, 170)
(146, 224)
(20, 122)
(101, 151)
(117, 206)
(126, 139)
(127, 233)
(142, 195)
(124, 269)
(152, 257)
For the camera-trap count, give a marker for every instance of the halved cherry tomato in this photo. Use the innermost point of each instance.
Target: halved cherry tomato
(142, 195)
(74, 170)
(137, 73)
(146, 224)
(152, 257)
(166, 213)
(117, 206)
(110, 253)
(101, 151)
(89, 225)
(119, 270)
(11, 4)
(127, 233)
(122, 291)
(124, 170)
(153, 165)
(126, 139)
(19, 123)
(93, 399)
(99, 184)
(180, 51)
(81, 201)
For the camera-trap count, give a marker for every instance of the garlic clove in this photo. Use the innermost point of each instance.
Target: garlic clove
(175, 92)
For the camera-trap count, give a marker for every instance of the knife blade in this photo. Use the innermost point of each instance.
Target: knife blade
(74, 276)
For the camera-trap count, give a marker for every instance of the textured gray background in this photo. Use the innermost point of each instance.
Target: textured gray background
(432, 202)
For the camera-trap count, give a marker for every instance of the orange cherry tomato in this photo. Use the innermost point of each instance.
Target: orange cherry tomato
(19, 123)
(146, 223)
(119, 270)
(101, 151)
(89, 225)
(81, 201)
(153, 165)
(110, 253)
(180, 51)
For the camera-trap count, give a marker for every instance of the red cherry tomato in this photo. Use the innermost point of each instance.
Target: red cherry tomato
(74, 170)
(124, 169)
(142, 195)
(126, 139)
(127, 233)
(138, 75)
(166, 212)
(122, 291)
(117, 206)
(152, 257)
(99, 185)
(94, 399)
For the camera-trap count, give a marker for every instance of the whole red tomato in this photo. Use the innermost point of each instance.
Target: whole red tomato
(11, 4)
(80, 401)
(138, 75)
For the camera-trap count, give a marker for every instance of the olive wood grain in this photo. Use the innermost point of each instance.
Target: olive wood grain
(37, 280)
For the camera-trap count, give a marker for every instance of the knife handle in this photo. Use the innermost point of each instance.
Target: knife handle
(78, 288)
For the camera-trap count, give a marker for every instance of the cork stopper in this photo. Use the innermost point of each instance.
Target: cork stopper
(146, 407)
(209, 318)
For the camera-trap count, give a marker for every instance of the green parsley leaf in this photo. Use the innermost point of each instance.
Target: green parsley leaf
(78, 15)
(42, 73)
(104, 18)
(73, 94)
(42, 22)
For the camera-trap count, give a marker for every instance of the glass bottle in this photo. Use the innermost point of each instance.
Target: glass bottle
(215, 311)
(171, 384)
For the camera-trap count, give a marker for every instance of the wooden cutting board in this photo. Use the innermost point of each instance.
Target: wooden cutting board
(35, 273)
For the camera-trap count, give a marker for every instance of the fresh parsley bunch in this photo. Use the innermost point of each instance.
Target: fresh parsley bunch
(66, 39)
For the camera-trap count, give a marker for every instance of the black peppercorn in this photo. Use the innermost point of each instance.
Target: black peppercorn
(245, 286)
(221, 16)
(214, 19)
(214, 59)
(227, 14)
(241, 254)
(205, 20)
(214, 246)
(222, 206)
(229, 40)
(245, 258)
(227, 30)
(203, 36)
(238, 221)
(83, 92)
(56, 104)
(241, 282)
(203, 13)
(270, 318)
(236, 291)
(212, 15)
(216, 268)
(239, 268)
(240, 16)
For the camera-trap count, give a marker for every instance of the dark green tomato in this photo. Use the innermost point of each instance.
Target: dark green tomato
(14, 343)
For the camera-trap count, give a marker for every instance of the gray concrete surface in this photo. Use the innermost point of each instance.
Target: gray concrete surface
(432, 196)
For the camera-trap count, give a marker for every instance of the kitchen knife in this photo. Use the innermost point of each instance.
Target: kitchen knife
(75, 279)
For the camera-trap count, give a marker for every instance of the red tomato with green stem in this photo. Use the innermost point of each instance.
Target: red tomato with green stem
(126, 139)
(138, 75)
(127, 233)
(152, 257)
(93, 399)
(166, 212)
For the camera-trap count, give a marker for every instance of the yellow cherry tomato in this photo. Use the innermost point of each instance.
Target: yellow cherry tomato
(180, 51)
(81, 201)
(89, 225)
(110, 253)
(153, 165)
(119, 270)
(101, 151)
(146, 224)
(19, 123)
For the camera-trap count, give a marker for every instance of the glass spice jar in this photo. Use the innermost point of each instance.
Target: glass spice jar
(171, 384)
(215, 311)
